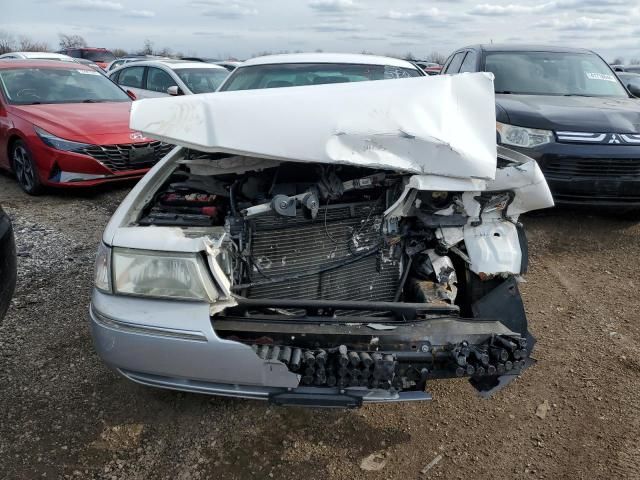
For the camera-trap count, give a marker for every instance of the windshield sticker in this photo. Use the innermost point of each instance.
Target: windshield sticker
(88, 72)
(600, 76)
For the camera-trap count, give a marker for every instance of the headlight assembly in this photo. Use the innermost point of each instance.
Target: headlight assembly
(161, 275)
(59, 143)
(522, 136)
(102, 278)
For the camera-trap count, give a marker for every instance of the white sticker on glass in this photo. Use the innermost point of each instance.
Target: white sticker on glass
(600, 76)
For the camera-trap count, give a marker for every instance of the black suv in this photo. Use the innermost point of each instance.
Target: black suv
(567, 109)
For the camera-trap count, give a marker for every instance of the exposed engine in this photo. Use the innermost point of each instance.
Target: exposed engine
(316, 232)
(311, 242)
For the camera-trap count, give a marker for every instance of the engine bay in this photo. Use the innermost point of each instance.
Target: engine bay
(318, 232)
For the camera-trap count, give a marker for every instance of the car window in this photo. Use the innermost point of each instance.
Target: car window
(104, 56)
(33, 86)
(117, 63)
(469, 62)
(299, 74)
(202, 80)
(131, 77)
(456, 62)
(159, 80)
(553, 73)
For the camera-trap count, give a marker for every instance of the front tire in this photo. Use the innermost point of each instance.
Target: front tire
(25, 168)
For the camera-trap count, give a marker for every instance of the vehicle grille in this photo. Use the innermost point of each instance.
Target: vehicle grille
(592, 167)
(116, 157)
(284, 247)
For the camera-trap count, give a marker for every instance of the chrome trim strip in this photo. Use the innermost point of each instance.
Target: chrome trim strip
(632, 138)
(578, 134)
(263, 392)
(127, 327)
(581, 136)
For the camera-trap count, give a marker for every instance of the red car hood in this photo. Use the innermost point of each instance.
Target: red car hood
(95, 123)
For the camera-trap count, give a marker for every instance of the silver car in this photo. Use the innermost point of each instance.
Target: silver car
(338, 242)
(162, 78)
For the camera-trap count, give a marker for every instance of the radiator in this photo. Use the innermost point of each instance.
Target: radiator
(286, 246)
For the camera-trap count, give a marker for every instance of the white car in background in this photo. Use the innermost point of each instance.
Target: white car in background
(302, 69)
(161, 78)
(37, 56)
(119, 62)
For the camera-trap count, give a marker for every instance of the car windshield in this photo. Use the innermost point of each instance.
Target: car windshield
(553, 73)
(299, 74)
(98, 55)
(30, 86)
(202, 80)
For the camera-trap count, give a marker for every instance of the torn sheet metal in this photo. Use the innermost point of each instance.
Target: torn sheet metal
(441, 125)
(528, 184)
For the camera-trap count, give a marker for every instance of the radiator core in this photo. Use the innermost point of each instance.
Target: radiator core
(285, 246)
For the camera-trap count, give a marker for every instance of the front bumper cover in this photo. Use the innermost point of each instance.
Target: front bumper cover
(176, 345)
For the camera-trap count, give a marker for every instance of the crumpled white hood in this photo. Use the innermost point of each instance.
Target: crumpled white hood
(441, 125)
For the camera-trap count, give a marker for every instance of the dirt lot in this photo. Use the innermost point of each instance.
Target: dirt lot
(64, 415)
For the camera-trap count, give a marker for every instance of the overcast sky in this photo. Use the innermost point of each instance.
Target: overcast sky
(242, 28)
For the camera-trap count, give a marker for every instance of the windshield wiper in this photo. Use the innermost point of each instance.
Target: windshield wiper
(504, 92)
(89, 100)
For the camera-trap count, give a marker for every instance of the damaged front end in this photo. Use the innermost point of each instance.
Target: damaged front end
(354, 283)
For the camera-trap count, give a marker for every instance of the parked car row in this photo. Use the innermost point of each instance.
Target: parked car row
(69, 126)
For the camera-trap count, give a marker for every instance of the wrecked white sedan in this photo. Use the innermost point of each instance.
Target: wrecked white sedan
(323, 245)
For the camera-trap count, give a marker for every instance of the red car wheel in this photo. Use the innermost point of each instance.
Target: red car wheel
(25, 169)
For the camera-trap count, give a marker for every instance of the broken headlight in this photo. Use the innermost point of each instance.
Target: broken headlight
(180, 276)
(522, 136)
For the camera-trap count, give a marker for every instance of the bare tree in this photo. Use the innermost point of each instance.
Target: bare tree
(71, 41)
(634, 61)
(26, 44)
(409, 57)
(148, 48)
(119, 52)
(617, 61)
(7, 42)
(436, 57)
(164, 52)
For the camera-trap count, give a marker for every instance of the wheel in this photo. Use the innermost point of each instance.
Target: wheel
(25, 169)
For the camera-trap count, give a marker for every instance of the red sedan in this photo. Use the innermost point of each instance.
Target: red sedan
(64, 124)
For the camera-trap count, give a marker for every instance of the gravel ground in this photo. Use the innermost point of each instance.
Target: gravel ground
(576, 414)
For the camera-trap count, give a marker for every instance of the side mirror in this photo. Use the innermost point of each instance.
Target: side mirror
(634, 89)
(132, 95)
(174, 91)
